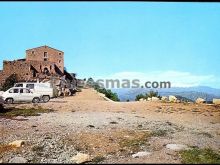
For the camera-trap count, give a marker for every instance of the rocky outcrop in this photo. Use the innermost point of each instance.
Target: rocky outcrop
(216, 101)
(17, 143)
(200, 100)
(80, 158)
(172, 99)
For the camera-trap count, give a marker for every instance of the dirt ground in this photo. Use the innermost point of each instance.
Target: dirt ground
(110, 132)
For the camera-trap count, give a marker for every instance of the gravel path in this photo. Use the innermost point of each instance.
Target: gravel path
(88, 113)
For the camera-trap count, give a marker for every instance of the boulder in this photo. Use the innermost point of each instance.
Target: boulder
(216, 101)
(176, 147)
(200, 100)
(149, 99)
(172, 98)
(17, 143)
(164, 98)
(141, 99)
(18, 159)
(155, 99)
(80, 158)
(140, 154)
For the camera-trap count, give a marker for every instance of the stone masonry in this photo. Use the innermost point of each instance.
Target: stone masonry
(40, 63)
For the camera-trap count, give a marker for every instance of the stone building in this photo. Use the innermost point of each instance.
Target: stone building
(40, 63)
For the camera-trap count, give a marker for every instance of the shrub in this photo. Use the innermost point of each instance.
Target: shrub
(9, 82)
(140, 96)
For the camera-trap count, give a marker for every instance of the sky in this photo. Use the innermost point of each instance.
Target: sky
(171, 41)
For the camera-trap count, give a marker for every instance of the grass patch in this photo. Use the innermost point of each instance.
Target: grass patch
(206, 134)
(98, 159)
(134, 144)
(159, 132)
(12, 112)
(199, 156)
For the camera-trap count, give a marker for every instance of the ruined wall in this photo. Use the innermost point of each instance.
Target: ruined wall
(24, 70)
(46, 54)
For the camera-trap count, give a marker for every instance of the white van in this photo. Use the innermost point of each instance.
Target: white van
(41, 88)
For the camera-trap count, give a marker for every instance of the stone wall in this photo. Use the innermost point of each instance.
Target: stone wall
(46, 54)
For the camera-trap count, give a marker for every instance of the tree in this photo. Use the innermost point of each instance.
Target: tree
(10, 81)
(90, 82)
(140, 96)
(152, 94)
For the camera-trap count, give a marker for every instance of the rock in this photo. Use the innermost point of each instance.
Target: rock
(140, 154)
(176, 147)
(17, 143)
(80, 158)
(149, 99)
(155, 99)
(200, 100)
(18, 160)
(164, 98)
(172, 98)
(141, 99)
(216, 101)
(91, 126)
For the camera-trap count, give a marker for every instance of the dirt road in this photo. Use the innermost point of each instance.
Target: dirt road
(111, 131)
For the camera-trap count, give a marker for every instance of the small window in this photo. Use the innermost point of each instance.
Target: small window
(45, 59)
(15, 90)
(11, 91)
(59, 61)
(59, 53)
(19, 85)
(30, 86)
(21, 91)
(45, 54)
(27, 91)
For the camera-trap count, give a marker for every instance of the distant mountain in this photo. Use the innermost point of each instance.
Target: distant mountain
(191, 93)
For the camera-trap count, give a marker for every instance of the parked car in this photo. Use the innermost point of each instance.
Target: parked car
(41, 88)
(18, 94)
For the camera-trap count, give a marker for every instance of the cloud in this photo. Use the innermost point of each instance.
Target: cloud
(177, 78)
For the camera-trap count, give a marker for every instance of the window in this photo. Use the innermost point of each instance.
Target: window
(11, 91)
(27, 91)
(21, 91)
(45, 59)
(15, 90)
(45, 54)
(30, 86)
(59, 61)
(32, 52)
(19, 85)
(59, 53)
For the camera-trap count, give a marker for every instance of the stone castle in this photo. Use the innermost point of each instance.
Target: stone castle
(40, 63)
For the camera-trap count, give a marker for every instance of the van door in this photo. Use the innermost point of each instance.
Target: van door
(16, 94)
(25, 95)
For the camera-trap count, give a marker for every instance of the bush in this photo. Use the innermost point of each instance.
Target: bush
(140, 96)
(108, 93)
(152, 94)
(9, 82)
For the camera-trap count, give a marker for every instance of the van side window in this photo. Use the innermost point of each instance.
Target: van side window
(21, 91)
(30, 86)
(27, 91)
(15, 90)
(11, 91)
(19, 85)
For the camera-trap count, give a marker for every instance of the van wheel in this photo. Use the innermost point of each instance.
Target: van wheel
(36, 100)
(9, 100)
(46, 98)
